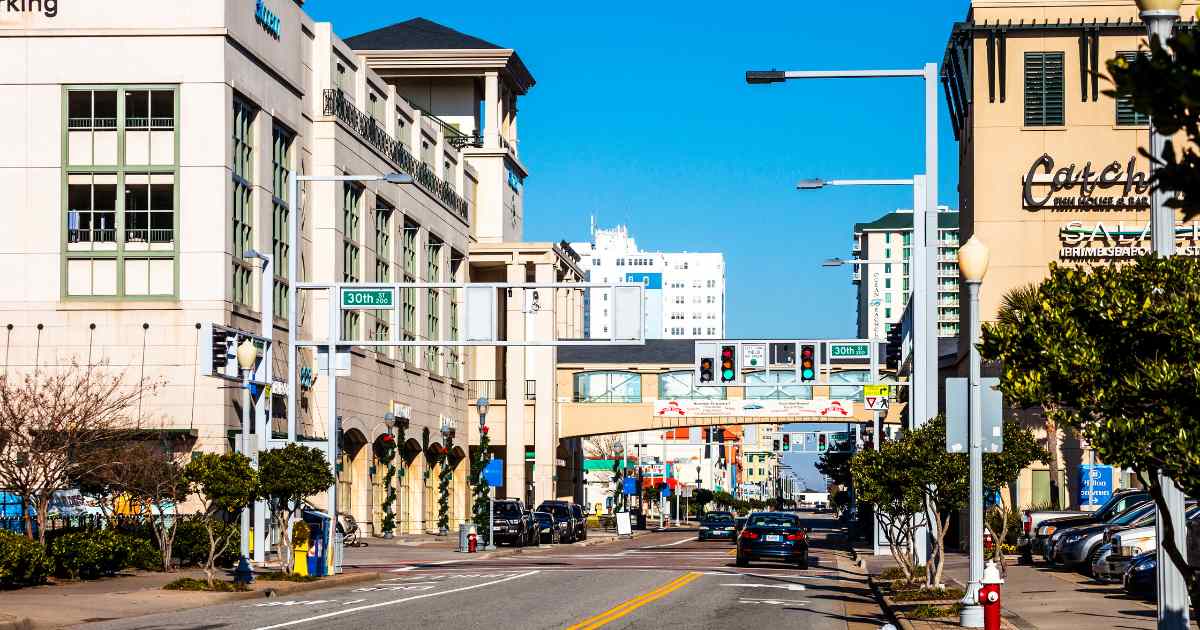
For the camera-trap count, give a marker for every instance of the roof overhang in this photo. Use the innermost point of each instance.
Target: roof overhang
(467, 62)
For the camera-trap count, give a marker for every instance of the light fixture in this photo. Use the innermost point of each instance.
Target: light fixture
(389, 417)
(833, 262)
(973, 260)
(481, 406)
(754, 77)
(247, 354)
(1159, 5)
(810, 184)
(398, 178)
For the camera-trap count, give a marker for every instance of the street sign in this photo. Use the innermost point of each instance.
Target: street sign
(1095, 484)
(877, 390)
(368, 298)
(493, 473)
(630, 486)
(849, 350)
(754, 355)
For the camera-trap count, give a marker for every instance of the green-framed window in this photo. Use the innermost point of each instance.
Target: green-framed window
(242, 217)
(1045, 98)
(351, 251)
(408, 305)
(120, 192)
(281, 249)
(1126, 114)
(383, 262)
(433, 314)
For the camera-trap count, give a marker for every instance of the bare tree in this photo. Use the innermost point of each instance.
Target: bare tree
(603, 447)
(152, 476)
(48, 419)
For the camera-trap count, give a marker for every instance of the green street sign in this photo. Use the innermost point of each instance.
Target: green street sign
(368, 298)
(849, 350)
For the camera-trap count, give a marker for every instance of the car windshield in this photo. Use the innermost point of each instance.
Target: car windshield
(543, 517)
(774, 520)
(1134, 515)
(508, 510)
(718, 520)
(557, 510)
(719, 515)
(1112, 508)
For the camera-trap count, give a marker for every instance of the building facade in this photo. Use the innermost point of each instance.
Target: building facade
(685, 292)
(884, 287)
(1050, 169)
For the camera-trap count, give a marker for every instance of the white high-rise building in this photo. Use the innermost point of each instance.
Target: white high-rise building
(685, 292)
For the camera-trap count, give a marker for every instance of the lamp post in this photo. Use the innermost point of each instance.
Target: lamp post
(481, 406)
(263, 425)
(619, 490)
(972, 264)
(247, 356)
(1173, 606)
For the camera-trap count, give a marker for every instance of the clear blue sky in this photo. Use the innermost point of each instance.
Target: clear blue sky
(641, 116)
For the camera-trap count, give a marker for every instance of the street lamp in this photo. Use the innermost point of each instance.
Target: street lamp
(247, 356)
(447, 433)
(972, 264)
(619, 491)
(262, 428)
(481, 406)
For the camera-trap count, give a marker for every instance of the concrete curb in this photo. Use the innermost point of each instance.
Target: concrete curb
(288, 588)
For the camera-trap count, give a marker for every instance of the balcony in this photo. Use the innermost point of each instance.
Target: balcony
(495, 390)
(952, 302)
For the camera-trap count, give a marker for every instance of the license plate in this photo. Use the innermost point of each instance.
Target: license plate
(773, 538)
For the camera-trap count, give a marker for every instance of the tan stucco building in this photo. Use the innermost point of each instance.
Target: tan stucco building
(1050, 169)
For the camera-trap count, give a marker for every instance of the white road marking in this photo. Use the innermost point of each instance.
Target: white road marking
(393, 602)
(773, 602)
(677, 542)
(786, 587)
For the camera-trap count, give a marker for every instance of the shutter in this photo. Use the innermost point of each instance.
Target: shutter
(1044, 89)
(1126, 115)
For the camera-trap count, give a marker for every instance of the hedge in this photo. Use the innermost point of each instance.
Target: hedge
(88, 555)
(23, 562)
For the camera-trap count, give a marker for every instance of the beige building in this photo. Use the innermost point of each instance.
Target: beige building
(135, 188)
(1049, 166)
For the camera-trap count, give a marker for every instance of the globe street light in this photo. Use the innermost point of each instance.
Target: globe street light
(972, 264)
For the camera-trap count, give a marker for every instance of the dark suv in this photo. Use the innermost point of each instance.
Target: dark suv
(512, 523)
(569, 512)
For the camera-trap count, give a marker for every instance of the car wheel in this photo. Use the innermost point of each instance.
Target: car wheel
(742, 562)
(803, 564)
(1091, 557)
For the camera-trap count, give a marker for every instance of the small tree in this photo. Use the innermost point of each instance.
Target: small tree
(225, 484)
(701, 497)
(885, 478)
(48, 419)
(286, 476)
(154, 479)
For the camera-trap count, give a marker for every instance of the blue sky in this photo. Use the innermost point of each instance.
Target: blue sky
(641, 116)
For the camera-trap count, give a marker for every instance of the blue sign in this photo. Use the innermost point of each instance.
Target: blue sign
(267, 19)
(630, 488)
(1095, 484)
(666, 491)
(493, 473)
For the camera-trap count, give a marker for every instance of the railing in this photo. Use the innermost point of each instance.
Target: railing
(149, 236)
(92, 123)
(491, 390)
(91, 236)
(144, 122)
(530, 390)
(336, 104)
(605, 398)
(465, 140)
(88, 522)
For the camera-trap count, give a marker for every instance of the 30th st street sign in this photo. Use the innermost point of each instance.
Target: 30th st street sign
(369, 298)
(849, 350)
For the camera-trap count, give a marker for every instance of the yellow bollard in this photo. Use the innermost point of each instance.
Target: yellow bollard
(300, 558)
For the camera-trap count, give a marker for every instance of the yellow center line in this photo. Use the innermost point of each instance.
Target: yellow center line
(625, 608)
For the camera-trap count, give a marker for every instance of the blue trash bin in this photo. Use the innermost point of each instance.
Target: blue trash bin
(318, 530)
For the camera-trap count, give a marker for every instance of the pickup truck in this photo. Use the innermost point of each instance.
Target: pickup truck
(1038, 526)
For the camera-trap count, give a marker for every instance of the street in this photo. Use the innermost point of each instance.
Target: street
(667, 579)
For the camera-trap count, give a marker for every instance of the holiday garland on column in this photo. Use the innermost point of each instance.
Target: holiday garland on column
(480, 511)
(444, 488)
(387, 455)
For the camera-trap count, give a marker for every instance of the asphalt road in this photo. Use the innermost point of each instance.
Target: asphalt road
(666, 580)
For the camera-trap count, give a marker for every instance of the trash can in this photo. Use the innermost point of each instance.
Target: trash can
(318, 528)
(464, 536)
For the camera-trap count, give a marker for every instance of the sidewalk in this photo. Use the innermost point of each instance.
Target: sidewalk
(1037, 598)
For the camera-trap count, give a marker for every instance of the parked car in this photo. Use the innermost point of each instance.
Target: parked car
(532, 530)
(1129, 544)
(550, 529)
(1038, 532)
(1141, 579)
(580, 521)
(511, 523)
(562, 511)
(1077, 546)
(716, 525)
(1100, 571)
(777, 536)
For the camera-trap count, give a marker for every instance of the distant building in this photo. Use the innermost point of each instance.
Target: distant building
(685, 292)
(884, 288)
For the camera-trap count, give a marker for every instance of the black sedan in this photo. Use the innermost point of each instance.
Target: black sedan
(550, 529)
(776, 536)
(718, 525)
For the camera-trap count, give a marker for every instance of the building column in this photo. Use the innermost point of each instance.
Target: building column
(491, 111)
(541, 366)
(514, 386)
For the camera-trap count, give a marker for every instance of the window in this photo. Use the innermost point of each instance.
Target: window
(375, 104)
(712, 284)
(383, 263)
(433, 330)
(408, 313)
(351, 251)
(1044, 99)
(595, 262)
(120, 184)
(712, 299)
(243, 202)
(776, 385)
(281, 170)
(887, 283)
(402, 132)
(454, 369)
(608, 387)
(341, 78)
(887, 312)
(887, 297)
(1126, 115)
(887, 267)
(696, 331)
(712, 331)
(679, 384)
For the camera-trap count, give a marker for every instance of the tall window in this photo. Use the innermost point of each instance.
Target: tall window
(383, 262)
(1044, 98)
(608, 387)
(351, 251)
(433, 330)
(281, 170)
(243, 203)
(120, 179)
(454, 370)
(679, 384)
(408, 313)
(1126, 115)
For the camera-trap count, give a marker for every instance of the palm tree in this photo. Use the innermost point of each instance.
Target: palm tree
(1014, 307)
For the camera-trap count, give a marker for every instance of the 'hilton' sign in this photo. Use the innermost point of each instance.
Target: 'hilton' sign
(1113, 187)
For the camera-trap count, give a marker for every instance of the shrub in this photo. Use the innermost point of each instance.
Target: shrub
(928, 594)
(925, 611)
(191, 543)
(143, 554)
(896, 573)
(91, 554)
(23, 562)
(192, 584)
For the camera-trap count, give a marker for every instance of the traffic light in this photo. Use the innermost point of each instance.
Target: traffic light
(808, 362)
(220, 348)
(787, 442)
(895, 339)
(706, 369)
(775, 445)
(822, 442)
(728, 364)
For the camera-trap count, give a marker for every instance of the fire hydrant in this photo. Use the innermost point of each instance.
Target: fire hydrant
(472, 542)
(989, 596)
